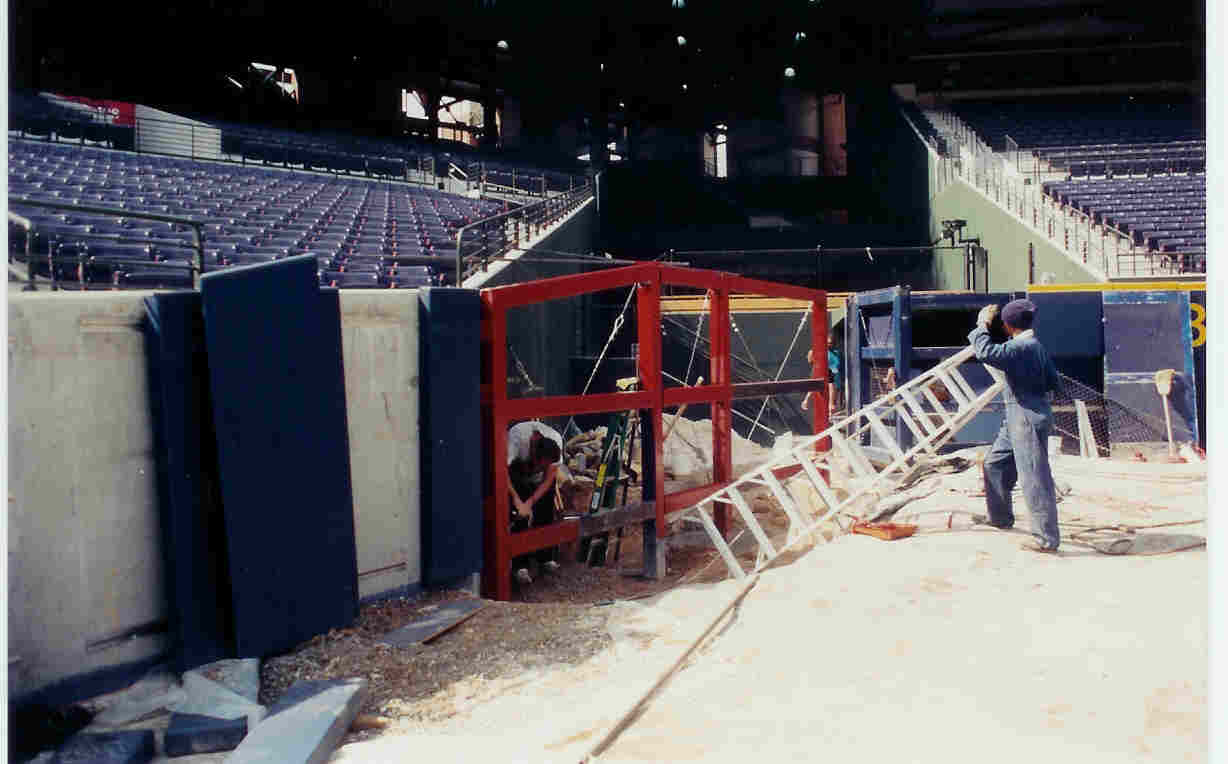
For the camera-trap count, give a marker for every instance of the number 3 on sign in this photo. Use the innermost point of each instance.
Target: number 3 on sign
(1198, 324)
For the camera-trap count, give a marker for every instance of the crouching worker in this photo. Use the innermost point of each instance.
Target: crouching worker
(1020, 452)
(535, 473)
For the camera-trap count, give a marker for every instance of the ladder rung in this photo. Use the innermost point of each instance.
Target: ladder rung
(917, 409)
(852, 454)
(731, 561)
(785, 501)
(921, 436)
(953, 388)
(963, 383)
(880, 429)
(820, 485)
(939, 407)
(748, 517)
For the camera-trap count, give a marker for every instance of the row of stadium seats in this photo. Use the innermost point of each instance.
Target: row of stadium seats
(33, 116)
(1167, 214)
(251, 215)
(1034, 123)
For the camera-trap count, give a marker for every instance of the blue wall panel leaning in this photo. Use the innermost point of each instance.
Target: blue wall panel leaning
(1071, 327)
(274, 342)
(1143, 333)
(453, 474)
(1198, 337)
(194, 537)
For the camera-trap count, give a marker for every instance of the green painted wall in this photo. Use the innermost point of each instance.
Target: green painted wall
(1003, 235)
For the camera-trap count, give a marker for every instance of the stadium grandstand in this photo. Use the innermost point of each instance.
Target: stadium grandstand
(1119, 181)
(283, 276)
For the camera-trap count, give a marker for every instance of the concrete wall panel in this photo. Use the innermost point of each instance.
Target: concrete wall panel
(84, 535)
(379, 336)
(1004, 236)
(84, 551)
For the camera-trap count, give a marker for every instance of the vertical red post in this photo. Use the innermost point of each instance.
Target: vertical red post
(497, 578)
(819, 369)
(648, 330)
(722, 421)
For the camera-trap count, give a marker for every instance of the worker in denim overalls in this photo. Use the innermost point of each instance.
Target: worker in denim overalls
(1021, 450)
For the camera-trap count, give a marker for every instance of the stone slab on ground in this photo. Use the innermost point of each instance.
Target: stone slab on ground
(155, 691)
(445, 617)
(305, 726)
(194, 733)
(209, 698)
(239, 675)
(122, 747)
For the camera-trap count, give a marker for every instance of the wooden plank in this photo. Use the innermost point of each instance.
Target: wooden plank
(591, 525)
(447, 617)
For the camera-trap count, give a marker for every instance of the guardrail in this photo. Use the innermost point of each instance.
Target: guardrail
(1019, 191)
(483, 241)
(57, 242)
(29, 226)
(245, 145)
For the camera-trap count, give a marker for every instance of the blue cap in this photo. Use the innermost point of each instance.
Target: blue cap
(1018, 314)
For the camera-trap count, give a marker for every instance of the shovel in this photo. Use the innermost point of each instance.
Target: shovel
(1164, 386)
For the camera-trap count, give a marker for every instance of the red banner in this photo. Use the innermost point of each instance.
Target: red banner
(111, 112)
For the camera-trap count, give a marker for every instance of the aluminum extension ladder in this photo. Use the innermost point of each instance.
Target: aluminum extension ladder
(931, 427)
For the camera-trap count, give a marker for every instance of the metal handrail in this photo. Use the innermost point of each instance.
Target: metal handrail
(565, 200)
(28, 224)
(198, 233)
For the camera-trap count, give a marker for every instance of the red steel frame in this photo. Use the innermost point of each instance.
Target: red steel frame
(500, 412)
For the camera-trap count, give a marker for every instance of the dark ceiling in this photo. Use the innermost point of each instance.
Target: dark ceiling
(588, 57)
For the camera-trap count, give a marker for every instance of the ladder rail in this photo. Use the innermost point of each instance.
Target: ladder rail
(901, 400)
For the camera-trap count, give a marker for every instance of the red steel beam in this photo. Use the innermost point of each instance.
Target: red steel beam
(568, 405)
(744, 285)
(695, 278)
(689, 497)
(499, 412)
(562, 287)
(676, 396)
(722, 417)
(497, 576)
(648, 329)
(818, 341)
(542, 537)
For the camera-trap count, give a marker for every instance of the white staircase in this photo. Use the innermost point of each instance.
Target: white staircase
(931, 426)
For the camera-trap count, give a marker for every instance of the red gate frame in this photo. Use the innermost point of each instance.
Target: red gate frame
(499, 412)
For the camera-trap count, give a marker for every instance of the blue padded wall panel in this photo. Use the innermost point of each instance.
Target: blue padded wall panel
(194, 537)
(275, 366)
(1198, 315)
(1070, 323)
(1143, 333)
(449, 324)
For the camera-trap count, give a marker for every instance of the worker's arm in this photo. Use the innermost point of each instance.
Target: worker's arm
(522, 509)
(988, 352)
(547, 484)
(1052, 380)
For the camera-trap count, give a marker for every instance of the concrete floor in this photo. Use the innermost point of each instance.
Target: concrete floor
(947, 646)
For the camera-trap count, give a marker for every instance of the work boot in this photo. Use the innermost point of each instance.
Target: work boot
(1036, 546)
(550, 565)
(984, 520)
